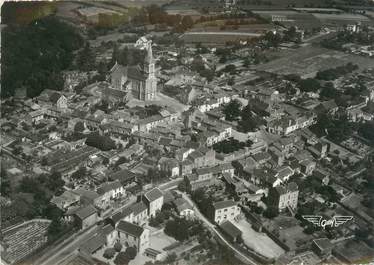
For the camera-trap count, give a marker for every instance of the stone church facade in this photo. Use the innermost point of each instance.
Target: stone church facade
(138, 82)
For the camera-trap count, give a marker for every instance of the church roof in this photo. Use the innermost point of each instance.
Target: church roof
(118, 67)
(136, 73)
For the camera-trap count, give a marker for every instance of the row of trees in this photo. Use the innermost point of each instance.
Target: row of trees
(334, 73)
(230, 145)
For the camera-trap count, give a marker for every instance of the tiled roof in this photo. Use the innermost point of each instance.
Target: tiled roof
(106, 187)
(224, 204)
(153, 194)
(130, 228)
(230, 229)
(138, 208)
(85, 212)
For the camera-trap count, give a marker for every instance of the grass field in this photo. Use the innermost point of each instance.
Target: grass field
(307, 61)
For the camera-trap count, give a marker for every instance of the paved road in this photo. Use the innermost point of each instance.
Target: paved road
(62, 250)
(215, 231)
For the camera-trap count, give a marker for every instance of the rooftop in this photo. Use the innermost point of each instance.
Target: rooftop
(130, 228)
(224, 204)
(153, 194)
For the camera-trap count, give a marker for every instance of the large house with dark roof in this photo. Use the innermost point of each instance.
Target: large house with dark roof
(132, 235)
(86, 216)
(154, 199)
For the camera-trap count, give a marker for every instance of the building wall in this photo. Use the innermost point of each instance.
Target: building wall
(155, 206)
(140, 218)
(89, 221)
(288, 199)
(229, 213)
(141, 243)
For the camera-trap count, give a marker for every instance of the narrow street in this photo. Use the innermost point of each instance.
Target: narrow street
(215, 231)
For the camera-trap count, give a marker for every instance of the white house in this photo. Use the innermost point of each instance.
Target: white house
(225, 211)
(109, 191)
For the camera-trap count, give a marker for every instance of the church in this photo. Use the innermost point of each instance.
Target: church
(138, 82)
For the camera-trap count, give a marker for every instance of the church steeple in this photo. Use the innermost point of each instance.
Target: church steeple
(149, 66)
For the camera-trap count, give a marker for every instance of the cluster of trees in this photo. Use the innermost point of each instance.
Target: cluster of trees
(232, 110)
(337, 129)
(102, 142)
(161, 216)
(109, 253)
(198, 65)
(31, 199)
(128, 56)
(124, 257)
(334, 73)
(34, 56)
(366, 130)
(274, 39)
(363, 37)
(86, 59)
(230, 145)
(155, 176)
(182, 229)
(203, 201)
(309, 85)
(80, 173)
(247, 121)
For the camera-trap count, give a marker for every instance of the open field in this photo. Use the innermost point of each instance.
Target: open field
(217, 37)
(259, 242)
(307, 61)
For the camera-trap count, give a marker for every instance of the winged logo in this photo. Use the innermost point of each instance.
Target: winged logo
(314, 219)
(335, 221)
(339, 220)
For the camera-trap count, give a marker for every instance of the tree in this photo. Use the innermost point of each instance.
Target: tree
(177, 228)
(329, 91)
(86, 58)
(272, 40)
(230, 68)
(79, 127)
(109, 253)
(185, 185)
(5, 188)
(366, 130)
(309, 85)
(271, 212)
(80, 173)
(186, 22)
(55, 183)
(117, 246)
(123, 258)
(104, 143)
(232, 110)
(34, 55)
(197, 64)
